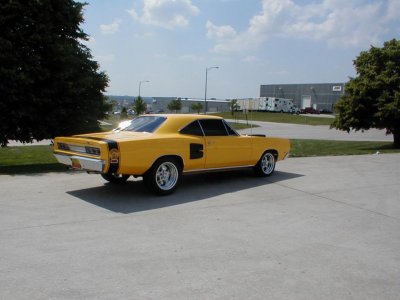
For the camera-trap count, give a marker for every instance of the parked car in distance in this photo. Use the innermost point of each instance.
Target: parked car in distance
(295, 110)
(326, 111)
(309, 110)
(162, 147)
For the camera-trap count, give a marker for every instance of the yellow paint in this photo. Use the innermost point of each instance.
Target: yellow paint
(138, 151)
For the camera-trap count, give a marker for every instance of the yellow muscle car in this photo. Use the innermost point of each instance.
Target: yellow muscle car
(162, 147)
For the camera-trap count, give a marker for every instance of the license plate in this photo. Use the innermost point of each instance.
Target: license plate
(76, 164)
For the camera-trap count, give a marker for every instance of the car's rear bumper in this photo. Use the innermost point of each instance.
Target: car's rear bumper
(81, 163)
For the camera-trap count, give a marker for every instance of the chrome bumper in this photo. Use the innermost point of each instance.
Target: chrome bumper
(81, 163)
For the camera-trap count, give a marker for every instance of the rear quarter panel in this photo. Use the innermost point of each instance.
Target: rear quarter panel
(137, 156)
(262, 144)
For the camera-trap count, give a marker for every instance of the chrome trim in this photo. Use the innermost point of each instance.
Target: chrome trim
(217, 169)
(91, 150)
(74, 148)
(89, 164)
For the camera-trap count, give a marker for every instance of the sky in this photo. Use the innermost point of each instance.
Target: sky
(171, 43)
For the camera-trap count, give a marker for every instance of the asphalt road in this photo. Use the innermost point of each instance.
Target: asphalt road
(296, 131)
(320, 228)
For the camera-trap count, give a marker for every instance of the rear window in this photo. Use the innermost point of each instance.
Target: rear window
(144, 124)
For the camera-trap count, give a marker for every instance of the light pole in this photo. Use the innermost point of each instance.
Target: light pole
(205, 92)
(140, 83)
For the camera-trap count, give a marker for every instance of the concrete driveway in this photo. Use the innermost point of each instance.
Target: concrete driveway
(320, 228)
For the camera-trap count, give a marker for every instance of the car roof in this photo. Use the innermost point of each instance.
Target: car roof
(186, 116)
(175, 122)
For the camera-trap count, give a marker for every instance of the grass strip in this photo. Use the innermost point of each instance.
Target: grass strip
(29, 159)
(308, 148)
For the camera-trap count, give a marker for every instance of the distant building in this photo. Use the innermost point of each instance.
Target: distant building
(161, 104)
(317, 95)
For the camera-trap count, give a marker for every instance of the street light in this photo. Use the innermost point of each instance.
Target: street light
(205, 92)
(140, 83)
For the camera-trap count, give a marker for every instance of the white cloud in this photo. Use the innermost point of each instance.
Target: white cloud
(133, 13)
(220, 32)
(227, 39)
(110, 28)
(339, 23)
(168, 14)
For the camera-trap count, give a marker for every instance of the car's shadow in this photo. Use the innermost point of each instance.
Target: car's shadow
(133, 196)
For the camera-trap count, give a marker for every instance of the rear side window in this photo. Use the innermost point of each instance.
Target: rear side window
(213, 127)
(192, 129)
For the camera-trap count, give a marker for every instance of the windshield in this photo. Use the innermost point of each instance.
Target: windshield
(142, 124)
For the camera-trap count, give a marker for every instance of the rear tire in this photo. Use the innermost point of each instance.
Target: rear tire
(115, 178)
(266, 165)
(164, 176)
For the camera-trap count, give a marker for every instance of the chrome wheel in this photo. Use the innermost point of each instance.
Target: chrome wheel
(163, 177)
(266, 164)
(167, 176)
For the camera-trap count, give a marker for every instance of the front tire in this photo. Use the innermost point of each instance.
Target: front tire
(164, 176)
(266, 165)
(115, 178)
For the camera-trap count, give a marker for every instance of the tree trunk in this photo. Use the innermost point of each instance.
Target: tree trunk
(396, 138)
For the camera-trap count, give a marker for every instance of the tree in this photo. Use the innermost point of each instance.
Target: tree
(197, 107)
(175, 105)
(233, 106)
(139, 106)
(112, 104)
(372, 98)
(49, 83)
(124, 113)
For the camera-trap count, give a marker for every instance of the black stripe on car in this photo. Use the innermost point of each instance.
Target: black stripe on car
(114, 166)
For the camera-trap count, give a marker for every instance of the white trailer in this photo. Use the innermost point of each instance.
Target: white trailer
(249, 104)
(267, 104)
(276, 105)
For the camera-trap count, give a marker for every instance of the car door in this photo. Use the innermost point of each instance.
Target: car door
(195, 145)
(223, 146)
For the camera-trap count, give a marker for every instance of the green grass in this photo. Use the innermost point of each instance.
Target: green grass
(304, 148)
(39, 159)
(278, 118)
(28, 159)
